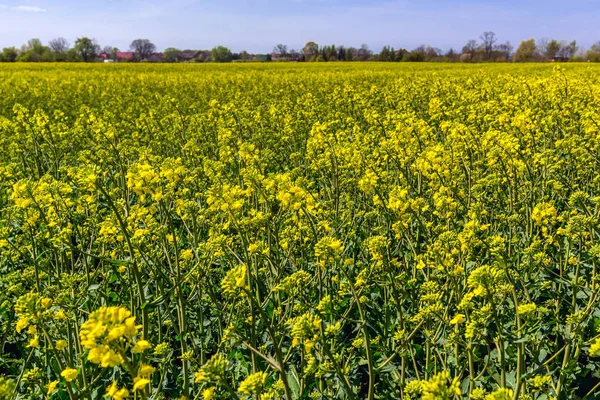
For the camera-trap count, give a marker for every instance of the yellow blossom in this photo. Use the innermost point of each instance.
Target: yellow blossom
(141, 346)
(69, 374)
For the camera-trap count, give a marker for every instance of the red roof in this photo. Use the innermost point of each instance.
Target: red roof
(127, 55)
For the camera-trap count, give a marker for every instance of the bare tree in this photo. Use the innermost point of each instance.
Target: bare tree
(294, 55)
(542, 46)
(506, 50)
(142, 48)
(59, 45)
(470, 48)
(281, 50)
(364, 53)
(567, 50)
(489, 40)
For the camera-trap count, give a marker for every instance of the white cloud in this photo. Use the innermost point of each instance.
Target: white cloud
(31, 9)
(3, 6)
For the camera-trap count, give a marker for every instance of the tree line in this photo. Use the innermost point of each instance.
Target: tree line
(486, 49)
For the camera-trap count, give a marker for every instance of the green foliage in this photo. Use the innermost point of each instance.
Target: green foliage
(171, 54)
(86, 49)
(221, 54)
(527, 51)
(9, 54)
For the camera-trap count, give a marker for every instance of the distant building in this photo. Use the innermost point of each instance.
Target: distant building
(188, 55)
(124, 56)
(156, 57)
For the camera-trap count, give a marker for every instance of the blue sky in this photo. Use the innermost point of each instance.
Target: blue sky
(258, 25)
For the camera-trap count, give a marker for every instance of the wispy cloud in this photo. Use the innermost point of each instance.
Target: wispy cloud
(31, 9)
(3, 6)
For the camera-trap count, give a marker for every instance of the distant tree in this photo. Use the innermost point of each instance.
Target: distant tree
(310, 50)
(414, 56)
(386, 54)
(527, 51)
(488, 40)
(171, 54)
(142, 48)
(423, 53)
(33, 44)
(113, 53)
(567, 50)
(244, 55)
(551, 49)
(86, 48)
(593, 54)
(351, 54)
(329, 53)
(364, 53)
(505, 50)
(221, 54)
(401, 54)
(59, 47)
(35, 51)
(73, 55)
(451, 55)
(470, 49)
(281, 50)
(294, 55)
(9, 54)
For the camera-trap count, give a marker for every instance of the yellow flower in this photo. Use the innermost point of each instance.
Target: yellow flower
(34, 342)
(458, 319)
(52, 386)
(253, 383)
(116, 333)
(595, 348)
(69, 374)
(46, 302)
(61, 345)
(500, 394)
(21, 324)
(234, 279)
(209, 393)
(146, 370)
(161, 349)
(115, 393)
(96, 354)
(141, 346)
(60, 315)
(111, 359)
(526, 308)
(112, 389)
(121, 394)
(105, 357)
(140, 383)
(131, 328)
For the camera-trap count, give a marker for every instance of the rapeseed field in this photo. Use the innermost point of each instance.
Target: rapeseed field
(299, 231)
